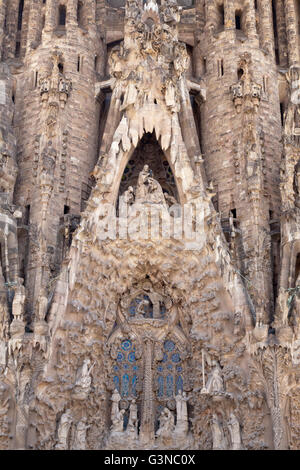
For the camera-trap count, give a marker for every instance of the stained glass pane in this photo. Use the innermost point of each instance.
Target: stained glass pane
(170, 383)
(133, 385)
(125, 385)
(126, 345)
(117, 382)
(176, 357)
(179, 384)
(169, 345)
(160, 386)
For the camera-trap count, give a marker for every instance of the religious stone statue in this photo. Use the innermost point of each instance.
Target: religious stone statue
(166, 424)
(148, 189)
(252, 161)
(181, 413)
(133, 420)
(80, 435)
(19, 301)
(129, 196)
(42, 305)
(218, 437)
(83, 380)
(235, 432)
(170, 200)
(140, 311)
(215, 380)
(117, 415)
(63, 430)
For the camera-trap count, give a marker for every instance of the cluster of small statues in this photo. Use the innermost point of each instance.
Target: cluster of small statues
(167, 427)
(218, 435)
(148, 190)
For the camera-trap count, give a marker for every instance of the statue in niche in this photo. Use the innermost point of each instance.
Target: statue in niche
(133, 419)
(181, 413)
(215, 380)
(166, 424)
(170, 200)
(142, 309)
(63, 430)
(235, 432)
(117, 415)
(148, 189)
(147, 306)
(80, 435)
(218, 437)
(252, 161)
(42, 304)
(83, 380)
(129, 196)
(19, 301)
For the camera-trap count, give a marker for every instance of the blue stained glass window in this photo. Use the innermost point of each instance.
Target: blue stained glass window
(117, 382)
(179, 384)
(169, 345)
(120, 357)
(160, 381)
(131, 357)
(170, 383)
(176, 358)
(126, 345)
(125, 385)
(133, 385)
(169, 371)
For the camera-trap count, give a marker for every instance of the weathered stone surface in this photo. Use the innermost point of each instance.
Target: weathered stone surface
(149, 224)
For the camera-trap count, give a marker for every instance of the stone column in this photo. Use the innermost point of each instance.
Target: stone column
(291, 29)
(11, 29)
(147, 417)
(281, 31)
(266, 16)
(229, 14)
(250, 19)
(2, 21)
(34, 23)
(51, 16)
(71, 12)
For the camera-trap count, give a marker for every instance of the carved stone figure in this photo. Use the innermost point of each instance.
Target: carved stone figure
(148, 189)
(42, 305)
(166, 424)
(80, 435)
(140, 311)
(83, 380)
(117, 415)
(215, 380)
(218, 437)
(235, 432)
(181, 413)
(19, 301)
(63, 430)
(129, 196)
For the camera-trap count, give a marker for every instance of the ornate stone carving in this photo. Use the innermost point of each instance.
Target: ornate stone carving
(63, 430)
(83, 380)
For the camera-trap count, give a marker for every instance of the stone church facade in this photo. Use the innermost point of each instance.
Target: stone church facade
(149, 224)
